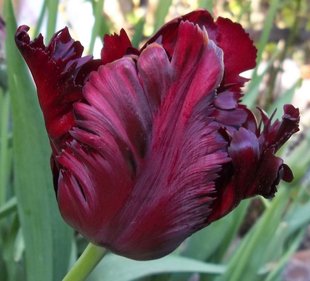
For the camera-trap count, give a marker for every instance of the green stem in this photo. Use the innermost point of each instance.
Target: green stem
(91, 256)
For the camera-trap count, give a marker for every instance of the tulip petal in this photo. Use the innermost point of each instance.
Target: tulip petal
(59, 72)
(276, 134)
(185, 155)
(167, 35)
(127, 102)
(239, 51)
(116, 46)
(255, 170)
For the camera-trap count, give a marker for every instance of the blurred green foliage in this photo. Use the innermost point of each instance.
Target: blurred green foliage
(35, 244)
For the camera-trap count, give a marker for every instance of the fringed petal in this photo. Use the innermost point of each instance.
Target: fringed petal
(239, 51)
(59, 72)
(116, 46)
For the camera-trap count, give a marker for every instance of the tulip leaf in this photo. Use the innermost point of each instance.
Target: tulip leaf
(206, 4)
(253, 88)
(41, 18)
(221, 233)
(5, 147)
(98, 7)
(52, 8)
(138, 35)
(285, 98)
(161, 13)
(253, 250)
(268, 24)
(8, 208)
(275, 274)
(299, 157)
(47, 238)
(116, 268)
(298, 218)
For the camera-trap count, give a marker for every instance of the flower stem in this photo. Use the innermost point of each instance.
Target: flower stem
(85, 264)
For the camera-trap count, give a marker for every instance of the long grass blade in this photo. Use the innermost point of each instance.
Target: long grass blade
(161, 13)
(52, 9)
(47, 239)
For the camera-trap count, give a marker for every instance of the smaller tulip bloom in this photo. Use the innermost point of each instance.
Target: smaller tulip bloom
(151, 145)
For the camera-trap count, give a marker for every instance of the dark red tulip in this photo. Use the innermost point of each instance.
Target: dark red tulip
(151, 145)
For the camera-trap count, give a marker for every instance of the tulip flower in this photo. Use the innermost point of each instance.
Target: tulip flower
(152, 145)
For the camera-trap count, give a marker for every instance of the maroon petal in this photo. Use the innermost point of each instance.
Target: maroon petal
(255, 170)
(168, 34)
(276, 134)
(238, 48)
(239, 51)
(231, 114)
(145, 146)
(112, 141)
(116, 46)
(59, 72)
(227, 100)
(245, 153)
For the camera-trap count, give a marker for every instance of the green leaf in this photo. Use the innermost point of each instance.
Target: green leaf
(15, 269)
(8, 208)
(299, 217)
(275, 274)
(268, 24)
(52, 9)
(253, 88)
(116, 268)
(99, 22)
(285, 98)
(5, 149)
(161, 13)
(251, 254)
(47, 238)
(299, 157)
(40, 19)
(221, 233)
(206, 4)
(138, 35)
(211, 243)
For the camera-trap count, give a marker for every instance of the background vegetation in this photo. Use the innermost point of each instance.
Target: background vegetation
(260, 240)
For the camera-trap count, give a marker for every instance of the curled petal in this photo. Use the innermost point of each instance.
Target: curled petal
(59, 72)
(254, 169)
(239, 51)
(168, 34)
(279, 132)
(238, 48)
